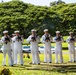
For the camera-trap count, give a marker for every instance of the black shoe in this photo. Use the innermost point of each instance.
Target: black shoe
(21, 64)
(11, 65)
(28, 56)
(38, 63)
(4, 65)
(50, 62)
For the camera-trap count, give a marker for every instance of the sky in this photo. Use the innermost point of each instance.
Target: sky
(42, 2)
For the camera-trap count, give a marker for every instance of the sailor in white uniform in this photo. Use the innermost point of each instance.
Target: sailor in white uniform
(18, 48)
(33, 39)
(58, 48)
(46, 40)
(6, 41)
(12, 47)
(71, 46)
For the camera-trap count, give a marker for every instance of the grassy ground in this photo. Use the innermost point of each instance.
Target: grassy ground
(42, 69)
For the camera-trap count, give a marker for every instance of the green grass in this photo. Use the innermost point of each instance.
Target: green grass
(42, 69)
(65, 37)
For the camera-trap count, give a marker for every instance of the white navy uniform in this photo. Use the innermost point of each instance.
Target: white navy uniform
(71, 47)
(47, 48)
(58, 48)
(12, 48)
(34, 49)
(18, 49)
(6, 49)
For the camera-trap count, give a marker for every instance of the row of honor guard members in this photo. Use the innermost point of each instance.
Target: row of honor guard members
(46, 40)
(15, 44)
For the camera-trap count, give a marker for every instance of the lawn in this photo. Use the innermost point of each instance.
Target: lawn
(42, 69)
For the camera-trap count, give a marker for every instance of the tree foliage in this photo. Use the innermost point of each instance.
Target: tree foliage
(16, 15)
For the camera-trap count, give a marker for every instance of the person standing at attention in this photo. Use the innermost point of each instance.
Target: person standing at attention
(34, 39)
(6, 41)
(58, 48)
(46, 40)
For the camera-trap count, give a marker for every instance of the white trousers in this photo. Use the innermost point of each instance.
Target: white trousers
(35, 55)
(9, 56)
(72, 56)
(12, 52)
(58, 51)
(47, 54)
(16, 52)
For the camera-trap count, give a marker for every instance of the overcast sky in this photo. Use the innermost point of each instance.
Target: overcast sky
(42, 2)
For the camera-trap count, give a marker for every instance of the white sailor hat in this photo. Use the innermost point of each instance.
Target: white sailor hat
(16, 31)
(13, 34)
(5, 31)
(57, 31)
(45, 30)
(33, 30)
(70, 32)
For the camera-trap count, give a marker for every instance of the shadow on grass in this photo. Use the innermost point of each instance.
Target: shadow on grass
(61, 68)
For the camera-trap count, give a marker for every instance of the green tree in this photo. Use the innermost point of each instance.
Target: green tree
(17, 15)
(57, 2)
